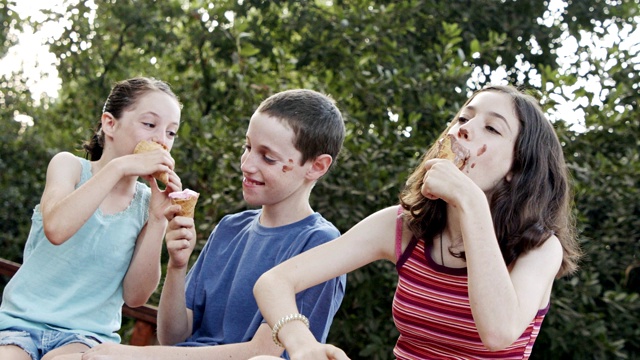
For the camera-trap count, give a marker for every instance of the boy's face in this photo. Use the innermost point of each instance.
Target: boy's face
(270, 164)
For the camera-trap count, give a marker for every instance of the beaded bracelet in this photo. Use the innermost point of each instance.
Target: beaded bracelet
(282, 322)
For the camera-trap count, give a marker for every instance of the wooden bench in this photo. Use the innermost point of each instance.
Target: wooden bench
(144, 329)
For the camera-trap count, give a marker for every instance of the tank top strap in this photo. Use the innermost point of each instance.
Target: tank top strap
(401, 257)
(86, 170)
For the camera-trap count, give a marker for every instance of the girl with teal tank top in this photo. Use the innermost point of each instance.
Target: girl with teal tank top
(96, 236)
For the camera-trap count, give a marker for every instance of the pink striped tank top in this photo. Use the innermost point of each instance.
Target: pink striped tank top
(432, 312)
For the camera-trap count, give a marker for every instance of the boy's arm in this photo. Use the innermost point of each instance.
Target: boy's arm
(175, 320)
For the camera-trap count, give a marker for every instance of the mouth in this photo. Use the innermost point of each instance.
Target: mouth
(251, 182)
(449, 148)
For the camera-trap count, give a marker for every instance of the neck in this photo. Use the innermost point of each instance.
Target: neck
(452, 233)
(274, 215)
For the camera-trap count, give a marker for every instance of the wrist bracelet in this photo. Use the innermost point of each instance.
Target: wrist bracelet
(282, 322)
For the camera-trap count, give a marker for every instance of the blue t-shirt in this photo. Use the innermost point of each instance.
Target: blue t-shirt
(219, 287)
(76, 286)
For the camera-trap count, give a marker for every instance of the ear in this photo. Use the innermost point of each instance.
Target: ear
(319, 167)
(109, 124)
(509, 177)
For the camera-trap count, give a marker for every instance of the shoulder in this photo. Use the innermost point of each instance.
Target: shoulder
(551, 248)
(547, 258)
(386, 218)
(238, 221)
(315, 230)
(65, 159)
(65, 164)
(240, 217)
(319, 223)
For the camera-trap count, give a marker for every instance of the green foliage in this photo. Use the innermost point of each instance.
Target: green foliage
(10, 22)
(399, 70)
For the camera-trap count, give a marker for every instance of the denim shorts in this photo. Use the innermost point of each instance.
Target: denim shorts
(36, 342)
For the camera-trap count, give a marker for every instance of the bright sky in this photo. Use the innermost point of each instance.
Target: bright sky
(40, 64)
(30, 54)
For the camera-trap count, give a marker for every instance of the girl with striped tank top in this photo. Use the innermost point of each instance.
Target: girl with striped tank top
(477, 247)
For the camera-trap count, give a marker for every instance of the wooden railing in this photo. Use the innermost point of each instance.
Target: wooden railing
(144, 330)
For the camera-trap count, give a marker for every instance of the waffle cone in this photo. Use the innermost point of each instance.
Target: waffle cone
(146, 145)
(449, 149)
(188, 206)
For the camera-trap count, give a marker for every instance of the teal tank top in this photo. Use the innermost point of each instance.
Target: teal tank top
(77, 286)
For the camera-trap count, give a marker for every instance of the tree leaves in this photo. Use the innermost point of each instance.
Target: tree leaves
(399, 70)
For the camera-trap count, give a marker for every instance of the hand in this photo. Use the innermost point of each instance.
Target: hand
(113, 352)
(180, 237)
(320, 352)
(443, 180)
(147, 163)
(160, 198)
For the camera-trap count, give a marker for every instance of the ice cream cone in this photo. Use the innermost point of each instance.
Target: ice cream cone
(187, 199)
(146, 145)
(450, 149)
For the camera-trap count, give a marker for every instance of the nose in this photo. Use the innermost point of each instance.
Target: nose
(246, 162)
(467, 129)
(163, 138)
(463, 132)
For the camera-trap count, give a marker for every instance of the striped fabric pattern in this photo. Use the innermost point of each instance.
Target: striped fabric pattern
(432, 313)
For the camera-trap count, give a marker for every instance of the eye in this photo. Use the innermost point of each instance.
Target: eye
(462, 119)
(493, 130)
(151, 125)
(269, 160)
(171, 134)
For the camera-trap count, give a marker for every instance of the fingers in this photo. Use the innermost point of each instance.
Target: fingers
(148, 163)
(179, 223)
(171, 212)
(437, 178)
(175, 183)
(180, 243)
(180, 233)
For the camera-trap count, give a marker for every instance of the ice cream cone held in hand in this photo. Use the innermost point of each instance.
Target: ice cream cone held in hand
(449, 148)
(187, 199)
(145, 146)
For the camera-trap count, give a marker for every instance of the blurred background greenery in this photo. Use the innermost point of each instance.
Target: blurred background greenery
(399, 70)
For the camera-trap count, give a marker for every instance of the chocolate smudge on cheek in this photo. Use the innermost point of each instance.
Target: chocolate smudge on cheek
(286, 168)
(482, 150)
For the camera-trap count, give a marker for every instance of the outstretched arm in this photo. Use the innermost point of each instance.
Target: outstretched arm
(371, 239)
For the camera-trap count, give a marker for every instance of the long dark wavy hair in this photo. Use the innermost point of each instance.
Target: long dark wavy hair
(123, 95)
(527, 210)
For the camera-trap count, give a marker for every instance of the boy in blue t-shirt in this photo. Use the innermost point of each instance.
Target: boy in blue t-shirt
(292, 140)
